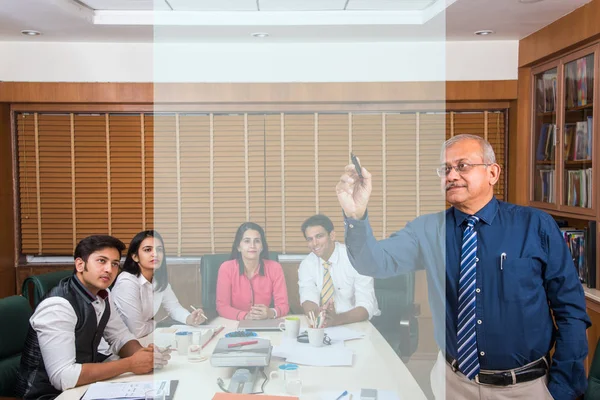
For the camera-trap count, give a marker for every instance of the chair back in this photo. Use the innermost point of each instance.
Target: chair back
(15, 312)
(394, 295)
(209, 271)
(36, 287)
(397, 322)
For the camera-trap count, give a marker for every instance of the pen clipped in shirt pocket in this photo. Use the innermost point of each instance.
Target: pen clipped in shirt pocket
(520, 278)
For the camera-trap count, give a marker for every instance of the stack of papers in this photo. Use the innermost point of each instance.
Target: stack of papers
(342, 333)
(303, 353)
(125, 390)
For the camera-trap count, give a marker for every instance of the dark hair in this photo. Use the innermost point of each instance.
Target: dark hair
(134, 268)
(235, 253)
(91, 244)
(317, 220)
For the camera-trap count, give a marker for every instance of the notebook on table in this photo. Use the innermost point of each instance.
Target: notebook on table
(260, 324)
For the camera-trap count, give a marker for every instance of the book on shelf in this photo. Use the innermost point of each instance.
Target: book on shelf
(575, 240)
(579, 82)
(579, 140)
(546, 92)
(590, 256)
(547, 181)
(546, 143)
(579, 187)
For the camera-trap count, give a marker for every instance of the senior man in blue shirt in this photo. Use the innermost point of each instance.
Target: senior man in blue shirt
(496, 273)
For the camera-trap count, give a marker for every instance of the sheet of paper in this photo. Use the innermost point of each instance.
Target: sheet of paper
(334, 394)
(124, 390)
(188, 328)
(343, 333)
(303, 353)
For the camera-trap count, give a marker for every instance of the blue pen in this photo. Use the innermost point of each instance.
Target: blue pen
(342, 395)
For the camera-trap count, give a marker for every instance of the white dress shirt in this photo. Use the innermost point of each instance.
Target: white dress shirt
(54, 321)
(350, 289)
(137, 302)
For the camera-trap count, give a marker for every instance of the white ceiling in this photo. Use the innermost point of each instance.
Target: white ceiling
(220, 21)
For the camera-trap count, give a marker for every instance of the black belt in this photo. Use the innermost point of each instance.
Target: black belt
(509, 377)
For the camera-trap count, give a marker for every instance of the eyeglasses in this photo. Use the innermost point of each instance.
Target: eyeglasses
(461, 168)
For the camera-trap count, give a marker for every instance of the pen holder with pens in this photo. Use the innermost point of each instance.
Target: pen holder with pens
(318, 338)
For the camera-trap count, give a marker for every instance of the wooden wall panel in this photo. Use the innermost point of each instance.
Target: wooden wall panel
(519, 141)
(7, 235)
(243, 93)
(572, 30)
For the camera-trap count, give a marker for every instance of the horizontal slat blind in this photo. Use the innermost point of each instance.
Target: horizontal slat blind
(55, 182)
(91, 177)
(367, 145)
(300, 183)
(432, 133)
(31, 239)
(166, 201)
(194, 136)
(83, 174)
(334, 145)
(126, 175)
(229, 179)
(401, 181)
(275, 184)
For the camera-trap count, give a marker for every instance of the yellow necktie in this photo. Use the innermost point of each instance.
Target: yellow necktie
(327, 291)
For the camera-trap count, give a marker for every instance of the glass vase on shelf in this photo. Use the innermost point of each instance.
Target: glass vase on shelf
(544, 145)
(578, 132)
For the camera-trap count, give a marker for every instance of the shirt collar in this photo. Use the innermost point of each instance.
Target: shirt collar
(103, 294)
(334, 256)
(487, 214)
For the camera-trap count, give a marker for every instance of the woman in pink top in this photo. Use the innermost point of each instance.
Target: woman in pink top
(249, 283)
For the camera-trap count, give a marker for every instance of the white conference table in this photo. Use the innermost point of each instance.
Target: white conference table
(375, 366)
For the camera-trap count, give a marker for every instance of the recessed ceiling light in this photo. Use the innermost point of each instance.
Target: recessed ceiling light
(484, 32)
(529, 1)
(29, 32)
(260, 34)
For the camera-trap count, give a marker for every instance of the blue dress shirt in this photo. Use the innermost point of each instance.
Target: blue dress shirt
(515, 297)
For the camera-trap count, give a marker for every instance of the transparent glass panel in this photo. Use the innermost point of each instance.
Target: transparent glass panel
(578, 132)
(544, 188)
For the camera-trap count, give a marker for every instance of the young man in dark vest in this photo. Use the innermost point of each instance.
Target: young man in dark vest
(61, 350)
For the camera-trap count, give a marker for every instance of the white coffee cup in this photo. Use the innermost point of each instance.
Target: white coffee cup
(316, 336)
(184, 340)
(288, 377)
(291, 327)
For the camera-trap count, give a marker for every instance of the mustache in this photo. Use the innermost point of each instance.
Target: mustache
(450, 185)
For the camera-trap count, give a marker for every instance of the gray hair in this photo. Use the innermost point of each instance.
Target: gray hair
(487, 152)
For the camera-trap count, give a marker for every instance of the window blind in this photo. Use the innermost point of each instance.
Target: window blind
(196, 177)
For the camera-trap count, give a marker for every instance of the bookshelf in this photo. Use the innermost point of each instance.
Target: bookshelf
(563, 124)
(564, 145)
(563, 45)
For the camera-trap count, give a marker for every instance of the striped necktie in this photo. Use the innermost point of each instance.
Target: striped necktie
(327, 291)
(468, 360)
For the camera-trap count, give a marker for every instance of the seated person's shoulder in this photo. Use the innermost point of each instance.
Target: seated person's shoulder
(56, 307)
(125, 279)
